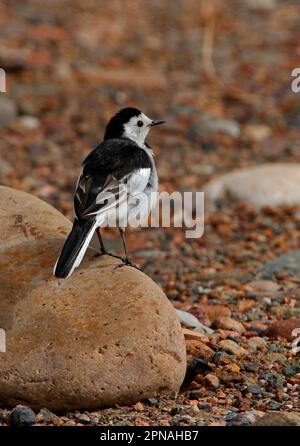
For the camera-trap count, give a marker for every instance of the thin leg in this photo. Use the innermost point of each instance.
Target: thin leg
(122, 233)
(126, 261)
(102, 247)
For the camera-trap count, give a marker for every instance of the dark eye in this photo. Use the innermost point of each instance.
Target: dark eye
(140, 123)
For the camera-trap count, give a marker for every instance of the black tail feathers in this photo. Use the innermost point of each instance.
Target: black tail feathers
(74, 248)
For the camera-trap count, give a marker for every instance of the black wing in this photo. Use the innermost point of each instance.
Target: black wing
(104, 175)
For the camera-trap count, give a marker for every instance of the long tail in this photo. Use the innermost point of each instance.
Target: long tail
(74, 248)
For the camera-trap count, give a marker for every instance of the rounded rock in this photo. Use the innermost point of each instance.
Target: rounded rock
(21, 416)
(227, 323)
(104, 336)
(232, 347)
(271, 184)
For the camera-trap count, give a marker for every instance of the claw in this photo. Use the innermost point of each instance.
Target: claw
(127, 262)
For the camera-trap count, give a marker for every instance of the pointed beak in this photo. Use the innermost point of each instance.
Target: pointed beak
(153, 123)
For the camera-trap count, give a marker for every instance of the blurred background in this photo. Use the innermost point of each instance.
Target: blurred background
(218, 72)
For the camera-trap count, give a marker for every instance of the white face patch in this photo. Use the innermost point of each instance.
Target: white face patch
(137, 128)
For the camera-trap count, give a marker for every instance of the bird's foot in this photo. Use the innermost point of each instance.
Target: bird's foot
(127, 262)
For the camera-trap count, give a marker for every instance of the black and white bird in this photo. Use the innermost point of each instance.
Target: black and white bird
(122, 167)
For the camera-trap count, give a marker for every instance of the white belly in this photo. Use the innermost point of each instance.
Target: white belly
(140, 201)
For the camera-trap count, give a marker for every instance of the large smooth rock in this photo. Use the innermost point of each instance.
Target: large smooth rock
(101, 337)
(264, 185)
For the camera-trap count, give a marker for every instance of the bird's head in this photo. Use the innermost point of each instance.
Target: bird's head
(130, 123)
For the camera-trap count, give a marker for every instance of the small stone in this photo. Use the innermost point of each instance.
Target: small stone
(242, 419)
(257, 132)
(251, 366)
(257, 343)
(221, 358)
(286, 263)
(229, 377)
(291, 370)
(193, 335)
(227, 323)
(5, 167)
(124, 423)
(195, 409)
(204, 406)
(8, 111)
(199, 350)
(139, 407)
(283, 329)
(215, 311)
(261, 5)
(213, 124)
(279, 419)
(254, 389)
(152, 401)
(182, 420)
(190, 321)
(29, 122)
(232, 347)
(82, 417)
(274, 405)
(175, 410)
(21, 415)
(46, 416)
(211, 380)
(234, 368)
(265, 286)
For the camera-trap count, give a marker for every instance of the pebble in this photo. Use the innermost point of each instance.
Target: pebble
(83, 418)
(195, 409)
(261, 5)
(211, 380)
(29, 122)
(227, 323)
(280, 419)
(257, 132)
(222, 358)
(8, 111)
(286, 263)
(204, 406)
(47, 416)
(242, 418)
(291, 370)
(187, 319)
(199, 350)
(256, 343)
(251, 366)
(255, 389)
(215, 311)
(152, 401)
(177, 421)
(265, 286)
(194, 335)
(213, 124)
(232, 347)
(283, 329)
(139, 407)
(5, 167)
(21, 415)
